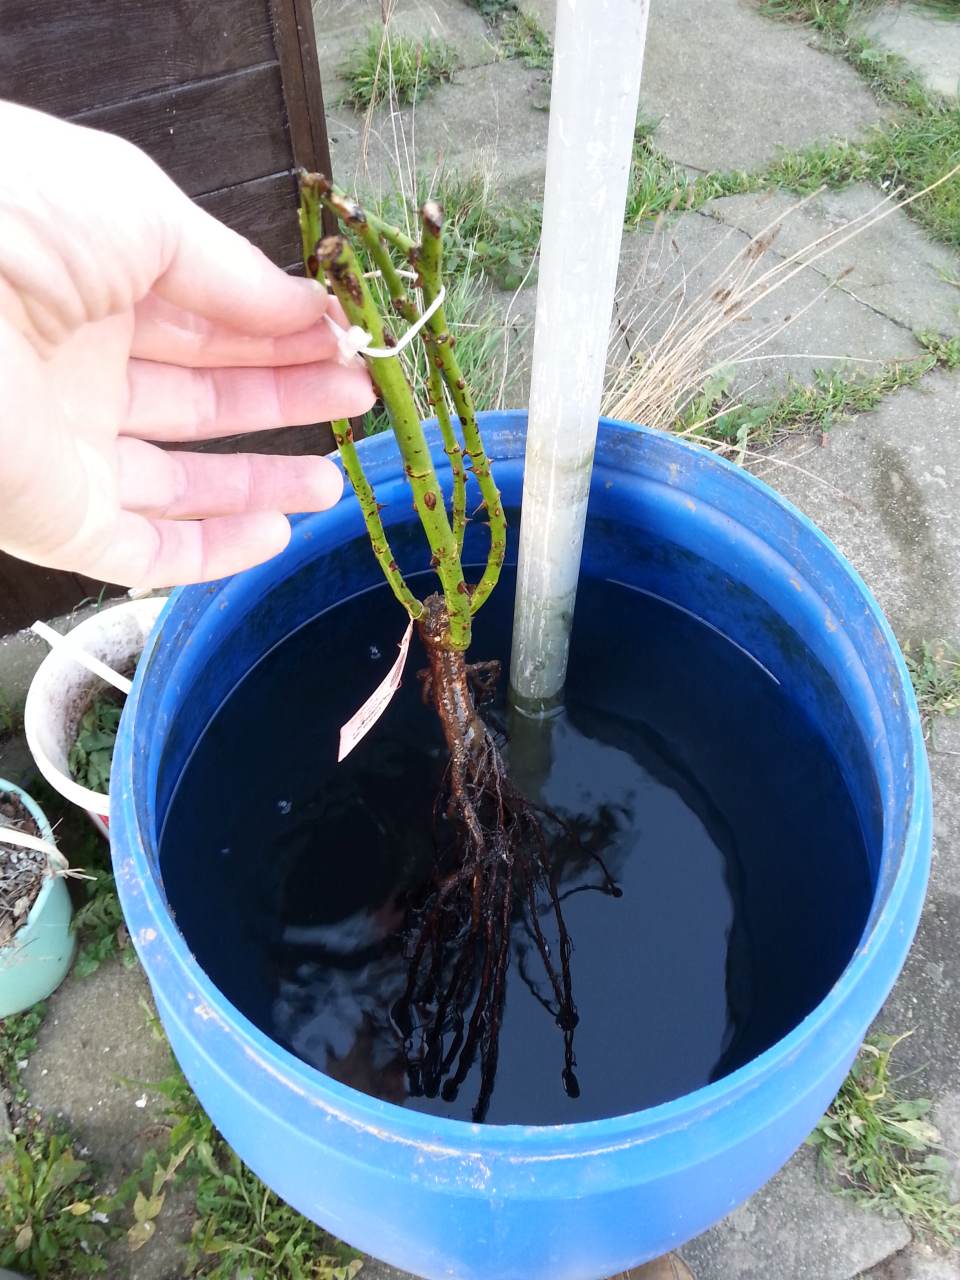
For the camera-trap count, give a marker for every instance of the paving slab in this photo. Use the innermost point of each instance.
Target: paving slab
(795, 1228)
(785, 93)
(928, 41)
(893, 266)
(731, 86)
(886, 488)
(486, 119)
(805, 324)
(917, 1262)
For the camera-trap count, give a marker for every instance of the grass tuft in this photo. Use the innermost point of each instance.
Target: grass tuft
(494, 9)
(832, 396)
(482, 232)
(53, 1222)
(382, 65)
(935, 673)
(883, 1149)
(523, 38)
(18, 1040)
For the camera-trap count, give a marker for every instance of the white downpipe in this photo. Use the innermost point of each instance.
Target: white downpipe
(593, 110)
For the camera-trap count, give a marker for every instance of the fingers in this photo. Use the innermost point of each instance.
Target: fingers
(218, 274)
(167, 402)
(168, 333)
(165, 553)
(179, 485)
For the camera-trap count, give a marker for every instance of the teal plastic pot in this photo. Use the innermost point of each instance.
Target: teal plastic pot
(41, 953)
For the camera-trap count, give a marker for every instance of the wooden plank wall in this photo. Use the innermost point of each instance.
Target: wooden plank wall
(226, 96)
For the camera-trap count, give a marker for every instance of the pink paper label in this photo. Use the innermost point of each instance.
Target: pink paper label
(360, 724)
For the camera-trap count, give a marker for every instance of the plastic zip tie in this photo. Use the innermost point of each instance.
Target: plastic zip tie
(92, 664)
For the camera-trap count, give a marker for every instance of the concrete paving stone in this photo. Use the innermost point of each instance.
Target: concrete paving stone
(930, 43)
(894, 267)
(700, 256)
(731, 86)
(21, 652)
(886, 487)
(917, 1262)
(795, 1228)
(485, 119)
(785, 94)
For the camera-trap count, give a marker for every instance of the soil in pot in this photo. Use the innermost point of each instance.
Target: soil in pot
(22, 871)
(716, 806)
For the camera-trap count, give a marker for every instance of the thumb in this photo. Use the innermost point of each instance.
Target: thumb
(221, 276)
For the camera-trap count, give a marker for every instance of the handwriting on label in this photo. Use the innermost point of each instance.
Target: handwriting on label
(360, 724)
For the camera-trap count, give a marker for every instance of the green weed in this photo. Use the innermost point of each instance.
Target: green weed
(100, 928)
(832, 16)
(522, 37)
(379, 66)
(52, 1219)
(53, 1223)
(18, 1040)
(98, 921)
(493, 9)
(242, 1228)
(915, 153)
(946, 9)
(831, 396)
(482, 231)
(945, 351)
(91, 755)
(935, 674)
(883, 1149)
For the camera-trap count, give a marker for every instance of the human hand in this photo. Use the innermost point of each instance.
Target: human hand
(127, 316)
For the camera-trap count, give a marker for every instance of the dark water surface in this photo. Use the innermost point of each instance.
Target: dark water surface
(715, 803)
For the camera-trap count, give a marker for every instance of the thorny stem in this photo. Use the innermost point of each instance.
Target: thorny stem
(451, 1012)
(427, 260)
(451, 446)
(343, 434)
(359, 221)
(312, 192)
(342, 270)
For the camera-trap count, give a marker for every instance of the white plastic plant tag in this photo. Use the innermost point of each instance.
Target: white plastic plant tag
(360, 724)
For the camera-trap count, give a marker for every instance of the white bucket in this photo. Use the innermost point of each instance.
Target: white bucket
(61, 692)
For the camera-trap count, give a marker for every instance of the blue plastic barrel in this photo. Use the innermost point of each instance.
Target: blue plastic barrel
(444, 1198)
